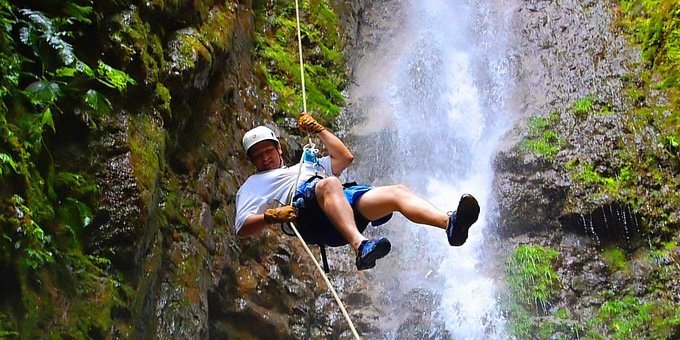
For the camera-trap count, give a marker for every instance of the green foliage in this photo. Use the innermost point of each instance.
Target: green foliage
(47, 203)
(582, 106)
(40, 80)
(542, 139)
(589, 104)
(615, 258)
(631, 317)
(664, 255)
(113, 78)
(29, 238)
(277, 49)
(610, 186)
(46, 36)
(655, 26)
(533, 281)
(623, 317)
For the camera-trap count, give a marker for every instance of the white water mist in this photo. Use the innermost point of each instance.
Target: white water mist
(431, 102)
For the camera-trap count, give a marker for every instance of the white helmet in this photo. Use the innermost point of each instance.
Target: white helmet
(257, 135)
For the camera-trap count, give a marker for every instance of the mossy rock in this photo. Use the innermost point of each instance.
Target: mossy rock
(147, 147)
(136, 46)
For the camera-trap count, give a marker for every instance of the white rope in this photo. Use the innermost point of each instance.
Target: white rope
(302, 65)
(328, 282)
(290, 195)
(311, 255)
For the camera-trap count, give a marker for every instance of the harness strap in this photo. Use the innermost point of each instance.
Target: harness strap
(324, 258)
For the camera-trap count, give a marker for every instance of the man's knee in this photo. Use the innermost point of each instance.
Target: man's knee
(328, 185)
(399, 191)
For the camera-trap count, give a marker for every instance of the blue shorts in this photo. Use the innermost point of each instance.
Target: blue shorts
(313, 224)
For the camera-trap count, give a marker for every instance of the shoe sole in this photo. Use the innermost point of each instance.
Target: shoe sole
(466, 215)
(381, 249)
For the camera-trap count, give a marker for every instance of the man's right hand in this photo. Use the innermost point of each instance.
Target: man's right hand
(308, 124)
(282, 214)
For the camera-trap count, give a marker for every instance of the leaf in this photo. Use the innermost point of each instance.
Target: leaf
(97, 101)
(40, 28)
(78, 67)
(84, 211)
(5, 158)
(44, 92)
(114, 78)
(84, 68)
(69, 179)
(47, 119)
(79, 13)
(65, 72)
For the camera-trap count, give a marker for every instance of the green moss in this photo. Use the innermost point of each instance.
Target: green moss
(616, 187)
(654, 25)
(324, 65)
(147, 147)
(624, 317)
(632, 317)
(135, 41)
(78, 291)
(530, 274)
(664, 255)
(217, 29)
(582, 106)
(542, 139)
(162, 100)
(615, 258)
(188, 49)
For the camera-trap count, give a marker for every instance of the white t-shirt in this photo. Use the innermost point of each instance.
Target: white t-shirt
(269, 189)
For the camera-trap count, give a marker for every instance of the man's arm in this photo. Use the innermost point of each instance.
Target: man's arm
(256, 222)
(252, 225)
(340, 155)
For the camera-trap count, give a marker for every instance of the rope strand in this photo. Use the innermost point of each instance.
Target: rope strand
(302, 65)
(290, 196)
(316, 262)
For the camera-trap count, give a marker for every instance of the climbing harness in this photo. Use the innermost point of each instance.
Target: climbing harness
(311, 147)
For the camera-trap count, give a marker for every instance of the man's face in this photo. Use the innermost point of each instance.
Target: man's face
(265, 155)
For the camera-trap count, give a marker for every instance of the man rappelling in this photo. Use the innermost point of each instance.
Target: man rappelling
(326, 211)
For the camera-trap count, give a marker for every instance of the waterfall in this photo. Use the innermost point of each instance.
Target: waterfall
(428, 110)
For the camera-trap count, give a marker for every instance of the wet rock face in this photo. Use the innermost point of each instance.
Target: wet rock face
(169, 167)
(564, 51)
(610, 224)
(530, 193)
(120, 220)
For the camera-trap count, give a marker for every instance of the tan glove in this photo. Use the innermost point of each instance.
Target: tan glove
(282, 214)
(308, 124)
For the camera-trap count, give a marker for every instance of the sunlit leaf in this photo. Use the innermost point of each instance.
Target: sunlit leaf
(97, 101)
(114, 78)
(69, 179)
(47, 119)
(65, 72)
(84, 68)
(7, 159)
(84, 211)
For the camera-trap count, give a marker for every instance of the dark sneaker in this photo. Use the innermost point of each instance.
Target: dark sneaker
(461, 220)
(371, 250)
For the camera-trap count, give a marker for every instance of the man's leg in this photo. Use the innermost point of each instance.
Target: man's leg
(380, 201)
(329, 195)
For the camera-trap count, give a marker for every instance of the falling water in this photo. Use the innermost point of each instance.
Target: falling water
(429, 112)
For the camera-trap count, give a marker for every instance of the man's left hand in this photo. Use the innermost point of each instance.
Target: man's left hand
(282, 214)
